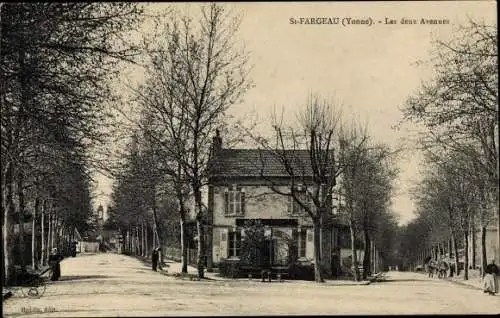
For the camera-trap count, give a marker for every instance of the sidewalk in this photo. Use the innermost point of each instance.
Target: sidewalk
(174, 268)
(474, 280)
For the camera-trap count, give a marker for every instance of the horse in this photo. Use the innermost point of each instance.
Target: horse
(431, 267)
(442, 269)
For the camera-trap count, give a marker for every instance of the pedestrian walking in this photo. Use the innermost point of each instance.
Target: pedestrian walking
(490, 280)
(429, 263)
(73, 249)
(452, 269)
(54, 261)
(154, 258)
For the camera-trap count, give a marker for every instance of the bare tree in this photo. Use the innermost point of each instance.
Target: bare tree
(306, 153)
(197, 73)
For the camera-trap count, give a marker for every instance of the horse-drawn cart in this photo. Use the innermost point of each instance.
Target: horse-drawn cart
(34, 283)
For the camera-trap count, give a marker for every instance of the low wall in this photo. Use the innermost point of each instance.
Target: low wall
(175, 254)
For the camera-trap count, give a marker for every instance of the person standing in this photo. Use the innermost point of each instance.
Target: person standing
(54, 261)
(73, 249)
(154, 259)
(490, 280)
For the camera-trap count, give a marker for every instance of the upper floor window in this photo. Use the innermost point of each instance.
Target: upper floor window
(234, 200)
(296, 208)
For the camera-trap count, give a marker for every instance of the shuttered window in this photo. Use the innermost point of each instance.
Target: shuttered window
(234, 201)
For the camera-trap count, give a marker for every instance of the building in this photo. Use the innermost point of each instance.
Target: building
(491, 245)
(239, 189)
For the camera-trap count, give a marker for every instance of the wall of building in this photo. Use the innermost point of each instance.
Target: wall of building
(260, 203)
(492, 249)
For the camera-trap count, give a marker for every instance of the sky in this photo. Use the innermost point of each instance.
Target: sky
(370, 69)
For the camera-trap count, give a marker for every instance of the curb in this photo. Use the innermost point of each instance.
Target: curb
(463, 284)
(374, 278)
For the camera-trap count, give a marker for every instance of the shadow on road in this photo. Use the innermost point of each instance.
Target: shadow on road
(80, 277)
(388, 280)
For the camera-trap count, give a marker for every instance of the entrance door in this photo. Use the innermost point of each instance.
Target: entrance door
(267, 253)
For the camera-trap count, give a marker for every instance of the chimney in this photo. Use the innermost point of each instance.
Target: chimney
(217, 142)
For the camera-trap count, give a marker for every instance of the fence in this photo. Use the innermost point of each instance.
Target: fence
(175, 254)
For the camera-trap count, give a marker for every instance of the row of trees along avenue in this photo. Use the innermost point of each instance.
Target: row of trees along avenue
(57, 60)
(458, 111)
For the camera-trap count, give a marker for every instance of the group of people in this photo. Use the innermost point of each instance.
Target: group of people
(444, 269)
(441, 268)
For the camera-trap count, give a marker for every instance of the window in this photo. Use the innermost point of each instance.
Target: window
(234, 243)
(234, 201)
(302, 244)
(295, 208)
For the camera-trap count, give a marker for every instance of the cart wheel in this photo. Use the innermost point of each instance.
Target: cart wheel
(35, 290)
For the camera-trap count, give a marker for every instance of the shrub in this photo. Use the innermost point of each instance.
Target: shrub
(301, 271)
(230, 268)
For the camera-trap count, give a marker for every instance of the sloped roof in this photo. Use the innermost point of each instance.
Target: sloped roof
(258, 163)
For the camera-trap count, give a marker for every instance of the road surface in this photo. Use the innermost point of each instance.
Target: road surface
(118, 285)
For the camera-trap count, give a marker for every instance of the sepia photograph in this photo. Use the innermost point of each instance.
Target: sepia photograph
(249, 158)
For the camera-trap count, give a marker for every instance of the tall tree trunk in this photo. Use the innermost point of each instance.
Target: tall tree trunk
(33, 233)
(134, 247)
(367, 255)
(146, 239)
(42, 238)
(318, 274)
(129, 242)
(200, 227)
(201, 248)
(139, 239)
(184, 250)
(157, 228)
(473, 243)
(182, 220)
(466, 254)
(484, 260)
(49, 231)
(450, 248)
(50, 236)
(21, 218)
(142, 239)
(372, 253)
(455, 252)
(498, 212)
(353, 251)
(55, 237)
(8, 224)
(154, 236)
